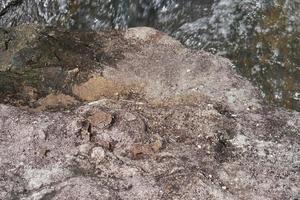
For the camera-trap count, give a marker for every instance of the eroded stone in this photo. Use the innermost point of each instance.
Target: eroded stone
(98, 154)
(100, 119)
(187, 134)
(52, 101)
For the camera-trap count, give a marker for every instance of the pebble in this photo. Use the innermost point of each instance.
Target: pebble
(84, 149)
(98, 154)
(129, 117)
(100, 119)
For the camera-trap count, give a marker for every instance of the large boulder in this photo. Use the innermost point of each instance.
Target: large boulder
(135, 115)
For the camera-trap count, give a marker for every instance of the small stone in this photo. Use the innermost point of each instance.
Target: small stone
(84, 149)
(104, 142)
(30, 92)
(44, 152)
(73, 71)
(51, 33)
(100, 119)
(140, 151)
(129, 117)
(56, 101)
(157, 145)
(98, 154)
(210, 106)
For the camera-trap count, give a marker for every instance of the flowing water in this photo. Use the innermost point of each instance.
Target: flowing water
(262, 37)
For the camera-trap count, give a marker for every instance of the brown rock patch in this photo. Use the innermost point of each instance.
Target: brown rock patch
(99, 87)
(140, 151)
(100, 119)
(55, 101)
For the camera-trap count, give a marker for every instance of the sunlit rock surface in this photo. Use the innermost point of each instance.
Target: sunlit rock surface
(135, 115)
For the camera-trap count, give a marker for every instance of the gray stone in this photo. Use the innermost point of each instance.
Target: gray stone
(98, 154)
(199, 130)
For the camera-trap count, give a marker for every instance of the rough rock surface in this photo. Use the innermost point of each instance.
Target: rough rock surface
(135, 115)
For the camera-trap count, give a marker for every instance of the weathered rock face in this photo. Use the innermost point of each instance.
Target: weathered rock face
(148, 119)
(36, 61)
(260, 37)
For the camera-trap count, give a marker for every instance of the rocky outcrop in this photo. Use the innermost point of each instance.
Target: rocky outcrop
(135, 115)
(260, 37)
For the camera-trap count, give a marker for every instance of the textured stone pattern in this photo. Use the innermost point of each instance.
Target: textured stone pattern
(180, 125)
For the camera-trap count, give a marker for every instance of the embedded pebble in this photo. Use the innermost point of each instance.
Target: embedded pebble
(98, 154)
(129, 117)
(84, 148)
(100, 119)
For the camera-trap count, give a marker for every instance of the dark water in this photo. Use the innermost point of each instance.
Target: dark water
(262, 37)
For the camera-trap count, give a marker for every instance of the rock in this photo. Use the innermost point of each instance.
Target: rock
(55, 101)
(38, 177)
(98, 154)
(179, 127)
(84, 149)
(147, 34)
(53, 61)
(97, 88)
(157, 145)
(141, 33)
(100, 119)
(129, 116)
(221, 27)
(140, 151)
(14, 40)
